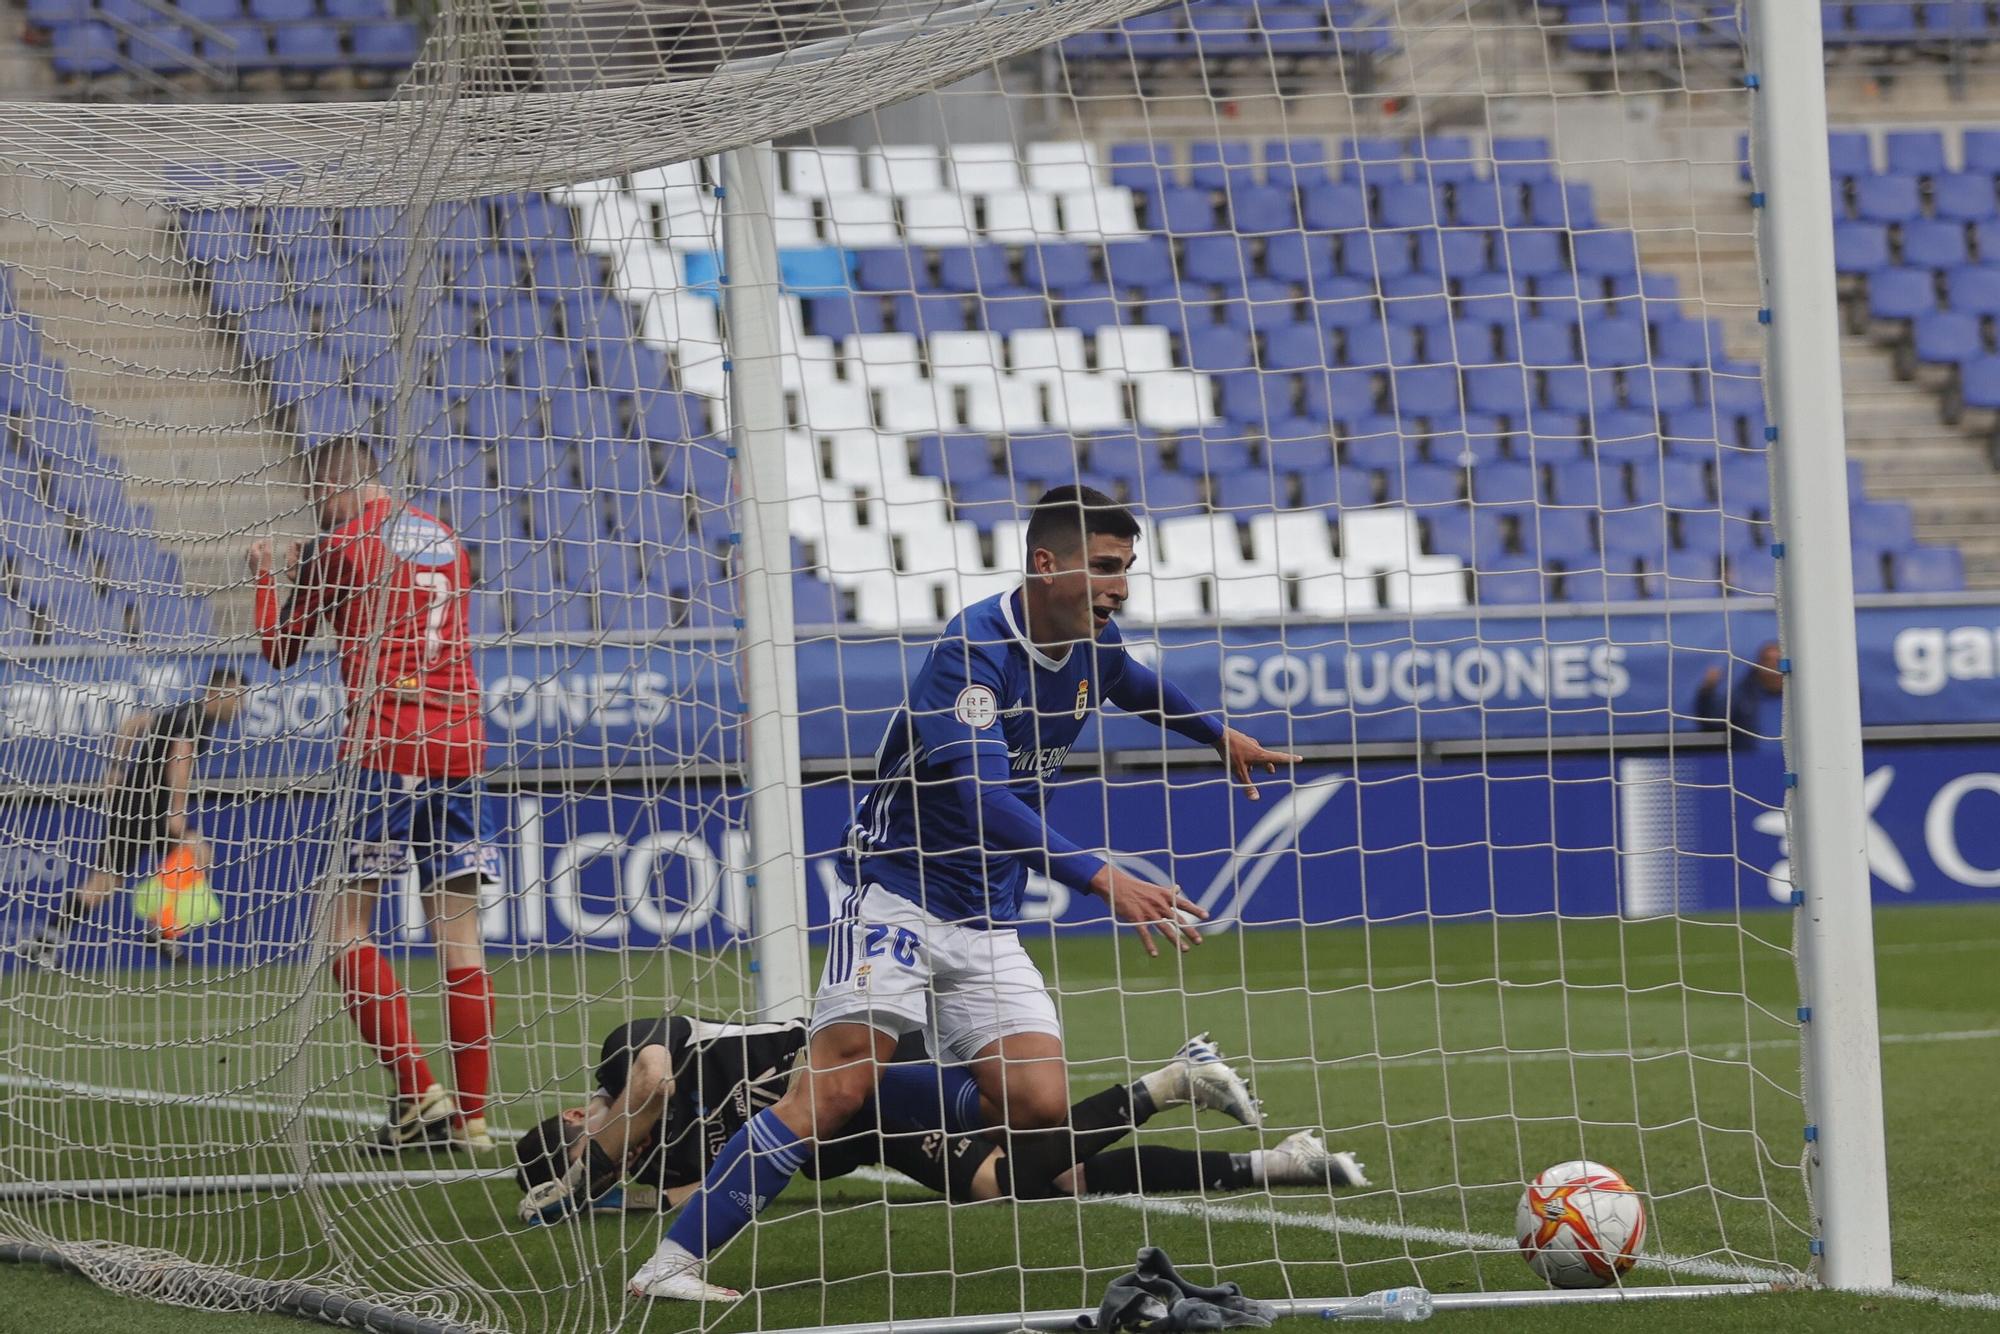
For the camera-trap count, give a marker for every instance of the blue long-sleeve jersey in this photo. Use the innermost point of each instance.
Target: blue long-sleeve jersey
(954, 820)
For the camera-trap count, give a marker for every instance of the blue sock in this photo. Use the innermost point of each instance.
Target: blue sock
(758, 1162)
(913, 1094)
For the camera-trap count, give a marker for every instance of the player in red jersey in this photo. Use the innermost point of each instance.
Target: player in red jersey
(392, 583)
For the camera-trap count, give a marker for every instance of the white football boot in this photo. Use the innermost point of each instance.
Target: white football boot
(1210, 1082)
(675, 1275)
(1302, 1159)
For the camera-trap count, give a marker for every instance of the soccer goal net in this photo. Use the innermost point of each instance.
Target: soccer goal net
(1424, 343)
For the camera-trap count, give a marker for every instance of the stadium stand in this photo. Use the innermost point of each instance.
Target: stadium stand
(1594, 29)
(75, 561)
(1385, 348)
(222, 41)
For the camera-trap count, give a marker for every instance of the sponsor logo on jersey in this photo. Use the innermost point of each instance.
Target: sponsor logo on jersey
(420, 540)
(976, 707)
(1037, 759)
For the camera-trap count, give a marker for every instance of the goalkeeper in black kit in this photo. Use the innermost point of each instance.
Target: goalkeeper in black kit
(672, 1092)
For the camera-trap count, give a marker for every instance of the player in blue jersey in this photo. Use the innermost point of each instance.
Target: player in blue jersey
(940, 849)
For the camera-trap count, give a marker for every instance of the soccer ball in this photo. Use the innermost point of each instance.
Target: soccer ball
(1580, 1225)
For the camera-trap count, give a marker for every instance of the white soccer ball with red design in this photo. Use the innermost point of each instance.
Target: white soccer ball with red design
(1580, 1225)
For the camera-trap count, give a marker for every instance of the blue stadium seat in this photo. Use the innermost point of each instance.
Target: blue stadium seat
(1871, 574)
(1127, 264)
(1341, 488)
(1973, 289)
(306, 46)
(1860, 247)
(1963, 196)
(1887, 199)
(1296, 163)
(1224, 33)
(1504, 484)
(1947, 337)
(1882, 525)
(1501, 588)
(1424, 484)
(1554, 203)
(1901, 294)
(1605, 254)
(1679, 484)
(1661, 390)
(1406, 204)
(1639, 532)
(1220, 164)
(1589, 484)
(1336, 206)
(1169, 495)
(1251, 490)
(1613, 341)
(1562, 536)
(954, 458)
(1052, 267)
(1750, 570)
(1914, 152)
(1141, 166)
(1929, 570)
(1534, 253)
(1934, 245)
(1261, 209)
(1981, 151)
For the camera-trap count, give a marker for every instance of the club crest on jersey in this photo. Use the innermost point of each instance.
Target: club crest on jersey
(976, 708)
(1082, 698)
(861, 976)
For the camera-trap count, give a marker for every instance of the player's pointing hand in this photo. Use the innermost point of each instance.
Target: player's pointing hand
(1243, 752)
(1148, 906)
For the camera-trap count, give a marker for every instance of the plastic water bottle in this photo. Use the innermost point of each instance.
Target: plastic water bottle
(1405, 1305)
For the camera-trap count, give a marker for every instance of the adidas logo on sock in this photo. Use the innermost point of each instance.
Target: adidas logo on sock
(751, 1204)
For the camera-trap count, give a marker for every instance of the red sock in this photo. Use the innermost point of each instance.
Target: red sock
(382, 1013)
(468, 1014)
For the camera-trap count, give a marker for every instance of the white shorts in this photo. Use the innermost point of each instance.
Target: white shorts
(894, 967)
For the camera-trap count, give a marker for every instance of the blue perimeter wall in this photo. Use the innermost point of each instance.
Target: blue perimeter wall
(1592, 831)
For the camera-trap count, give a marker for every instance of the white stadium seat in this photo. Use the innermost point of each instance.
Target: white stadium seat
(676, 179)
(1000, 404)
(1019, 217)
(876, 361)
(1062, 165)
(830, 405)
(865, 460)
(796, 222)
(823, 173)
(903, 169)
(1173, 400)
(1135, 347)
(1038, 354)
(1083, 401)
(1333, 593)
(810, 359)
(937, 218)
(960, 358)
(1293, 542)
(1378, 539)
(861, 221)
(918, 408)
(978, 169)
(1432, 583)
(1104, 211)
(608, 221)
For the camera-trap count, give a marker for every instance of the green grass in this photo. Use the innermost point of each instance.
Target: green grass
(1455, 1059)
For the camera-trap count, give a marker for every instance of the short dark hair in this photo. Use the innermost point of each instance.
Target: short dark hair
(542, 1154)
(346, 461)
(225, 678)
(1067, 517)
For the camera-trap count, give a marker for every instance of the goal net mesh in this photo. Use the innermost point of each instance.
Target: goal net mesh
(1422, 339)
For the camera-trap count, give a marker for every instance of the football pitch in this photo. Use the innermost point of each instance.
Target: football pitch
(1454, 1059)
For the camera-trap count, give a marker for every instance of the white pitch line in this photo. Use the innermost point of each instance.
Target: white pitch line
(1723, 1049)
(1692, 1266)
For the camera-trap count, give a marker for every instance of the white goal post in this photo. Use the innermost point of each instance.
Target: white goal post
(1481, 417)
